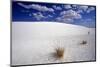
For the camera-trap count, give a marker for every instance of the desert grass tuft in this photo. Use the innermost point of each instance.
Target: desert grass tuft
(83, 42)
(59, 53)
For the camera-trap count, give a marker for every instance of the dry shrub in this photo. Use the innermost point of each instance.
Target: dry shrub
(83, 42)
(59, 52)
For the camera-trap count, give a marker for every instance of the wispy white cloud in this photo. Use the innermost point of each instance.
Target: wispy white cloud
(74, 6)
(38, 16)
(24, 6)
(57, 7)
(83, 8)
(80, 7)
(71, 14)
(79, 11)
(37, 7)
(41, 8)
(90, 9)
(49, 16)
(67, 6)
(68, 16)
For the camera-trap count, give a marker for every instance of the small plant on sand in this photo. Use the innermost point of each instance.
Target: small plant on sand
(88, 32)
(83, 42)
(59, 53)
(59, 50)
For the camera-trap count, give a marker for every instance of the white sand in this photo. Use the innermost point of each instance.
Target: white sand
(35, 43)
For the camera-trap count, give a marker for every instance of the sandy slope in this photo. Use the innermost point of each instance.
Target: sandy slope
(34, 43)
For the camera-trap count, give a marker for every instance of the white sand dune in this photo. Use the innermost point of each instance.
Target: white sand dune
(34, 43)
(45, 29)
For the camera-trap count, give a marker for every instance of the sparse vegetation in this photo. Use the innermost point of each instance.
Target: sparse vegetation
(88, 32)
(59, 53)
(83, 42)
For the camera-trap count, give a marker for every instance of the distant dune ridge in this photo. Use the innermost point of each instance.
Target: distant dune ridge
(36, 43)
(47, 29)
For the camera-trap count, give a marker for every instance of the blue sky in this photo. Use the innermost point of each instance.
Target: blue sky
(84, 15)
